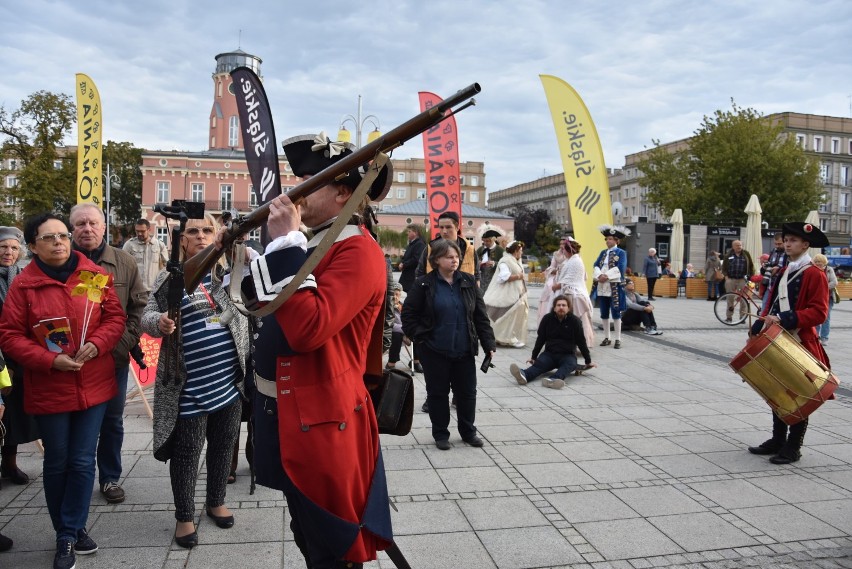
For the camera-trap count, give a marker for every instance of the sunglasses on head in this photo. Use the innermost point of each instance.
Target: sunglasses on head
(196, 230)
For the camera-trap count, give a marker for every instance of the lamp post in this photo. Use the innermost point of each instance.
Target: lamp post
(109, 177)
(358, 121)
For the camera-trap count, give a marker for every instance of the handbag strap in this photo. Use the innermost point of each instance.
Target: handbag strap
(327, 240)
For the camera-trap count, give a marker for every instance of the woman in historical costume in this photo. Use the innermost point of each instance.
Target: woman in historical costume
(198, 390)
(506, 299)
(545, 301)
(60, 322)
(571, 281)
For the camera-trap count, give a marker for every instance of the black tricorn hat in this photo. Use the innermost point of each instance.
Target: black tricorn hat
(491, 233)
(310, 154)
(617, 231)
(807, 231)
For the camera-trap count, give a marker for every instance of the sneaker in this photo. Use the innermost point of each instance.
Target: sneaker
(518, 344)
(112, 492)
(617, 345)
(554, 383)
(518, 373)
(64, 558)
(85, 545)
(656, 332)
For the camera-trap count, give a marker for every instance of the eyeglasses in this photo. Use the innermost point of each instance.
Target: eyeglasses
(196, 230)
(47, 237)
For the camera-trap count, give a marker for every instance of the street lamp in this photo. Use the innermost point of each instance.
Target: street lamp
(344, 135)
(108, 179)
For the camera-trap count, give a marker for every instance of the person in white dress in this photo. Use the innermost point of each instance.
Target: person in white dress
(545, 302)
(572, 281)
(506, 299)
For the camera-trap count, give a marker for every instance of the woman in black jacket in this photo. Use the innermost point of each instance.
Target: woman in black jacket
(445, 317)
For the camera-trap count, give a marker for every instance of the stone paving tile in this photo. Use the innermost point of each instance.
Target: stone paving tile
(521, 548)
(433, 517)
(587, 450)
(838, 513)
(625, 539)
(735, 494)
(593, 506)
(786, 523)
(550, 474)
(615, 470)
(532, 453)
(794, 488)
(502, 513)
(685, 465)
(701, 531)
(658, 501)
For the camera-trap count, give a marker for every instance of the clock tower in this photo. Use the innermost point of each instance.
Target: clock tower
(224, 117)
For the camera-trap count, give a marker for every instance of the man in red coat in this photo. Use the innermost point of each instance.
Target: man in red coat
(316, 436)
(798, 301)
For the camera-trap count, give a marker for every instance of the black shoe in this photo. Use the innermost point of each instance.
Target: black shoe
(64, 558)
(786, 456)
(16, 475)
(112, 492)
(224, 522)
(418, 368)
(617, 345)
(443, 445)
(651, 298)
(606, 342)
(768, 447)
(187, 541)
(85, 545)
(5, 543)
(425, 407)
(474, 441)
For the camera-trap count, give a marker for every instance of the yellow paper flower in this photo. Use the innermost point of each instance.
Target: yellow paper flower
(92, 285)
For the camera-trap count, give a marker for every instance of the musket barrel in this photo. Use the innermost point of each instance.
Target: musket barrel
(202, 262)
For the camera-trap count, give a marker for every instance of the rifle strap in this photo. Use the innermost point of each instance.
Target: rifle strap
(327, 240)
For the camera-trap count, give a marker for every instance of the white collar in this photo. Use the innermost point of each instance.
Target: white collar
(792, 266)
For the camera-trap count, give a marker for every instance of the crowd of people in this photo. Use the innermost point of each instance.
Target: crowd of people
(70, 318)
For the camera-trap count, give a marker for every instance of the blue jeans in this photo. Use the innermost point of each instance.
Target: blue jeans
(547, 361)
(112, 432)
(69, 466)
(823, 329)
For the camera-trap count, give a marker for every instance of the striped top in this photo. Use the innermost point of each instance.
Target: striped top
(210, 353)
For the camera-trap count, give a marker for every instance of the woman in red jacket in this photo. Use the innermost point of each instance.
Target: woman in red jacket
(61, 321)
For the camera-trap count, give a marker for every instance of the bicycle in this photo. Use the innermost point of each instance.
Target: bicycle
(742, 300)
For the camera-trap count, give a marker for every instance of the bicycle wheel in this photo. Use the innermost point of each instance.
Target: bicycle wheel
(740, 305)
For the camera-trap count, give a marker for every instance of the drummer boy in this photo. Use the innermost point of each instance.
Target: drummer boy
(798, 301)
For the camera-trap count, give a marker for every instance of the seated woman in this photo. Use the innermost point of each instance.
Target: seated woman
(638, 310)
(52, 327)
(198, 390)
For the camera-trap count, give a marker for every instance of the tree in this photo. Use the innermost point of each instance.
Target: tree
(33, 134)
(547, 237)
(732, 155)
(126, 190)
(527, 223)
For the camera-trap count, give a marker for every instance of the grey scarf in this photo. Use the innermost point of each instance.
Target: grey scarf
(6, 276)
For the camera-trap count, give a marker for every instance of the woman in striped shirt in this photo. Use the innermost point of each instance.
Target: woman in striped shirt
(199, 388)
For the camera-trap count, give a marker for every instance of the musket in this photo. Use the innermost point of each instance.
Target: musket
(201, 263)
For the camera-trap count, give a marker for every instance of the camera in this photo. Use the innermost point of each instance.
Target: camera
(486, 364)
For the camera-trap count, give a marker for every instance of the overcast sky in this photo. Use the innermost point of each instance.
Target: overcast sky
(646, 70)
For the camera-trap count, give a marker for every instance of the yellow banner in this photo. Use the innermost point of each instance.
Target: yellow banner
(582, 159)
(89, 150)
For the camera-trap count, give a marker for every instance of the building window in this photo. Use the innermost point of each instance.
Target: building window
(463, 196)
(233, 131)
(817, 143)
(163, 234)
(801, 140)
(57, 164)
(163, 192)
(252, 196)
(474, 197)
(11, 181)
(421, 177)
(421, 194)
(219, 89)
(401, 193)
(844, 175)
(844, 226)
(474, 180)
(226, 196)
(13, 164)
(844, 203)
(212, 142)
(824, 173)
(823, 224)
(196, 192)
(254, 234)
(10, 200)
(835, 146)
(400, 176)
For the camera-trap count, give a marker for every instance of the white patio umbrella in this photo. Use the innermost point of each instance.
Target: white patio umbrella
(752, 241)
(677, 242)
(813, 219)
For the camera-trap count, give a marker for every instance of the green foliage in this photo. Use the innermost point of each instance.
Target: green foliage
(391, 238)
(126, 190)
(732, 155)
(527, 224)
(32, 136)
(547, 237)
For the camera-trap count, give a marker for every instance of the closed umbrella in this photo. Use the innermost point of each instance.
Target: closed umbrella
(753, 242)
(813, 219)
(677, 242)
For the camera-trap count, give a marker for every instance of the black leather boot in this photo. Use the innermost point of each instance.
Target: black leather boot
(778, 440)
(792, 449)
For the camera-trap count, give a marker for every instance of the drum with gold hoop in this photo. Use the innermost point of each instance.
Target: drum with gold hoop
(785, 374)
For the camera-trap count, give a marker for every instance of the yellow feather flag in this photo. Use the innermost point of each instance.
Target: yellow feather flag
(582, 159)
(89, 150)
